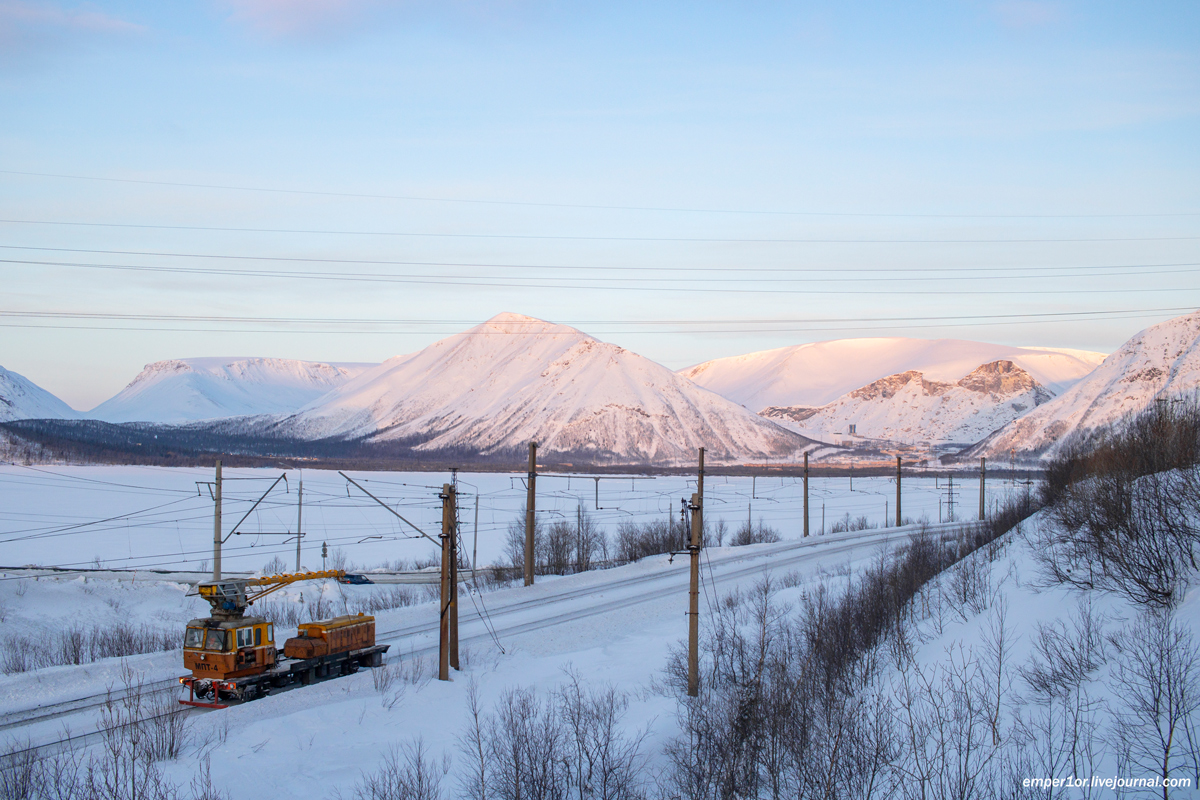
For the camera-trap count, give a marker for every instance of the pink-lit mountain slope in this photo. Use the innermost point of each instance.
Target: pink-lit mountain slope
(515, 379)
(21, 398)
(192, 389)
(912, 409)
(1161, 362)
(818, 373)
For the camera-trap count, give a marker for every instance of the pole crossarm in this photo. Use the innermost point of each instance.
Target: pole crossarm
(282, 477)
(389, 508)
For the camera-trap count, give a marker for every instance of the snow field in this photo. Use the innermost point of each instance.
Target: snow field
(161, 518)
(613, 626)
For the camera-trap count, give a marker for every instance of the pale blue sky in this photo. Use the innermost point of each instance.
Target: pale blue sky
(932, 115)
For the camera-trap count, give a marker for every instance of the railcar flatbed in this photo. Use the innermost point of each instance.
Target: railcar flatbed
(210, 692)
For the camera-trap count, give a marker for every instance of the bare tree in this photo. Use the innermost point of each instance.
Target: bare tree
(1157, 673)
(604, 762)
(408, 772)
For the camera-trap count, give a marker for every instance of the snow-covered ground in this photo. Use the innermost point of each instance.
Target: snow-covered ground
(1015, 604)
(152, 517)
(613, 626)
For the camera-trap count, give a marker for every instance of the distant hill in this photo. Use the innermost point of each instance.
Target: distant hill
(21, 398)
(1160, 362)
(193, 389)
(911, 408)
(514, 379)
(818, 373)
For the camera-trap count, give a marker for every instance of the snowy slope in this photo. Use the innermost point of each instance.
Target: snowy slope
(818, 373)
(1161, 361)
(515, 379)
(21, 398)
(910, 407)
(190, 389)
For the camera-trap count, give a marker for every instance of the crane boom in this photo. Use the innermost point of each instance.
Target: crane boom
(230, 598)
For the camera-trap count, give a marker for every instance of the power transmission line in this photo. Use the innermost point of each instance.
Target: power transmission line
(740, 274)
(550, 237)
(588, 206)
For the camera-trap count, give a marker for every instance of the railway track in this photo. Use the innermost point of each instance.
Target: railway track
(506, 619)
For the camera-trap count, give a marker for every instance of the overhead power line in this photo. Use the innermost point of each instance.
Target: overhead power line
(744, 325)
(573, 284)
(586, 206)
(550, 237)
(738, 273)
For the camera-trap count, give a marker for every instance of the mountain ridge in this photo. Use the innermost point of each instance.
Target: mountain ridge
(1158, 362)
(908, 407)
(818, 373)
(515, 379)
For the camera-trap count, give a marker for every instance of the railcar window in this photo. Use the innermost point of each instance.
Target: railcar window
(216, 640)
(257, 636)
(194, 637)
(270, 633)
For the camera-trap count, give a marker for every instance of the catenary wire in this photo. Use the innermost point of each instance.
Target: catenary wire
(581, 238)
(589, 206)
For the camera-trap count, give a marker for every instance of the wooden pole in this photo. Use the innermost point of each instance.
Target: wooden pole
(453, 612)
(217, 527)
(299, 520)
(806, 494)
(446, 598)
(899, 518)
(697, 507)
(982, 486)
(530, 502)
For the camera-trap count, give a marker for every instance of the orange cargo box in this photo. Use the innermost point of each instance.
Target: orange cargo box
(328, 636)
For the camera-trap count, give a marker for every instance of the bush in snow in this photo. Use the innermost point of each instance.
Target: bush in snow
(1126, 509)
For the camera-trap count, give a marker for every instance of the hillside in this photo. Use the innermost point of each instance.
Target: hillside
(911, 408)
(1161, 361)
(21, 398)
(820, 372)
(516, 379)
(193, 389)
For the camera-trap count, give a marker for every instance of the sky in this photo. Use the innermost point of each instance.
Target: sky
(350, 180)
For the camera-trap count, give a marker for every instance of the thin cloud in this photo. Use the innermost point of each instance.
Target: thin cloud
(18, 15)
(1025, 14)
(302, 18)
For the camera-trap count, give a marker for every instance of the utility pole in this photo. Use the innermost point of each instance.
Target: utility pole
(697, 506)
(217, 527)
(446, 640)
(982, 486)
(530, 501)
(299, 518)
(454, 573)
(806, 495)
(899, 519)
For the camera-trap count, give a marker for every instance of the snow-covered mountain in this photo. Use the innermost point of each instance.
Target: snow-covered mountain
(191, 389)
(516, 379)
(819, 373)
(911, 408)
(21, 398)
(1161, 361)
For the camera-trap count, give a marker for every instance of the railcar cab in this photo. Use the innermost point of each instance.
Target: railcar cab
(228, 648)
